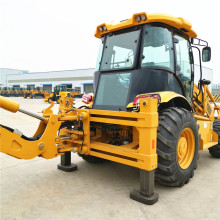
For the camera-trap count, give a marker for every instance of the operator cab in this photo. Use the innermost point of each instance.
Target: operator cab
(60, 88)
(146, 58)
(29, 88)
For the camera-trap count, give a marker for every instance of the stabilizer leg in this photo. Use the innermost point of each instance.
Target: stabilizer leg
(146, 193)
(66, 164)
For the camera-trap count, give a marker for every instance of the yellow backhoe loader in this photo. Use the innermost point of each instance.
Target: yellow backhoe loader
(6, 91)
(59, 91)
(38, 93)
(29, 92)
(14, 91)
(21, 91)
(146, 112)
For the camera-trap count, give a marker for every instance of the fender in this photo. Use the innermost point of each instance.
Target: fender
(165, 98)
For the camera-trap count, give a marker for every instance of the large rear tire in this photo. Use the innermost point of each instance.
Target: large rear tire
(215, 150)
(177, 146)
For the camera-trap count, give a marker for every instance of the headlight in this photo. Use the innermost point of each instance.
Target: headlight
(100, 29)
(143, 17)
(138, 19)
(105, 28)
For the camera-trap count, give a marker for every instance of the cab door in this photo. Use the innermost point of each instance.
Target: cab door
(183, 57)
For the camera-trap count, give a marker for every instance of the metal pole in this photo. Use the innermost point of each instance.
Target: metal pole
(32, 114)
(147, 182)
(65, 163)
(146, 192)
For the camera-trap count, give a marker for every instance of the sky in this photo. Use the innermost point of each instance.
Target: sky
(46, 35)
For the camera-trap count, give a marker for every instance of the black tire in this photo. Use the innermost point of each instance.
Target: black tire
(172, 122)
(215, 150)
(91, 159)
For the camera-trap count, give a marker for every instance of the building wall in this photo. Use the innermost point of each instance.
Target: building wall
(216, 91)
(72, 78)
(216, 88)
(207, 74)
(5, 72)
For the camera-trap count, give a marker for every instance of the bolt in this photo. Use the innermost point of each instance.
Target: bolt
(41, 146)
(144, 103)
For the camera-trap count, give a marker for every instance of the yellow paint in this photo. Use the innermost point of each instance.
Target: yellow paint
(14, 145)
(81, 103)
(141, 153)
(186, 148)
(202, 104)
(208, 137)
(165, 97)
(178, 23)
(8, 104)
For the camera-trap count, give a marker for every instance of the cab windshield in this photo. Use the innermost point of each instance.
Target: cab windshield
(30, 88)
(120, 50)
(61, 88)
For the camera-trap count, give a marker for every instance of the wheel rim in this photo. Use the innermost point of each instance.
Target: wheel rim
(186, 148)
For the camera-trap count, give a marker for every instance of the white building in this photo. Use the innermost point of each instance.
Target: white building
(82, 78)
(5, 72)
(216, 88)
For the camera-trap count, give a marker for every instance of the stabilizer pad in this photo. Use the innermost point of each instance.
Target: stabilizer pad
(68, 168)
(137, 196)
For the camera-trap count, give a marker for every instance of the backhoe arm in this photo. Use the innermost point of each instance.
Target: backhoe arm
(45, 142)
(15, 144)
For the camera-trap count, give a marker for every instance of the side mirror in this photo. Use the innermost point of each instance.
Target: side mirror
(206, 54)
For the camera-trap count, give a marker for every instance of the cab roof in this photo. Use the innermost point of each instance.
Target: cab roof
(144, 18)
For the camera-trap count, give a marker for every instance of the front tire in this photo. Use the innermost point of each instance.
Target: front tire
(215, 150)
(177, 146)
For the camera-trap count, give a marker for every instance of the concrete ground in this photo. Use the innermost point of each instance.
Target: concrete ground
(36, 189)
